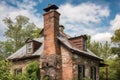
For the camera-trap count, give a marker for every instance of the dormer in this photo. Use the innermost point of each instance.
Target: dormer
(79, 42)
(32, 46)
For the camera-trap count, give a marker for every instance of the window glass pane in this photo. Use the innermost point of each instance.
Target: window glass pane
(29, 45)
(17, 71)
(81, 72)
(93, 73)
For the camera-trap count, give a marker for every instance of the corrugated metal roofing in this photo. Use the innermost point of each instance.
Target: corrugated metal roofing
(62, 34)
(22, 52)
(67, 43)
(19, 53)
(41, 39)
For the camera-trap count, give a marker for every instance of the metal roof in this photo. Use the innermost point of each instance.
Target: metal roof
(41, 39)
(22, 51)
(88, 52)
(19, 53)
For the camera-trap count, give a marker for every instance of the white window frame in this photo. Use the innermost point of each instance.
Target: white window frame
(29, 47)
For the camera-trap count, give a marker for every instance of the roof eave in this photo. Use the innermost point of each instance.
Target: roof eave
(80, 53)
(23, 58)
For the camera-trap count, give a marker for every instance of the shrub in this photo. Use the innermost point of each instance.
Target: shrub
(32, 71)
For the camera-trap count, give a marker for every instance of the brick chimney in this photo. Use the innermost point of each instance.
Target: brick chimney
(51, 29)
(51, 63)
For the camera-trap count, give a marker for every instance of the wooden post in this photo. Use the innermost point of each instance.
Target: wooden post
(106, 72)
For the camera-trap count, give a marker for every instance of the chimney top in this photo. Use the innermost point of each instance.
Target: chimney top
(50, 7)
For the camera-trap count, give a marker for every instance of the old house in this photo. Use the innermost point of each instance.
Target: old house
(60, 56)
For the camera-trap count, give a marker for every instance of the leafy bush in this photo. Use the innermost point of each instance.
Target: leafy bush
(86, 78)
(32, 71)
(5, 70)
(46, 78)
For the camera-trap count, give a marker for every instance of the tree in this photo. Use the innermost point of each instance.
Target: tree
(116, 50)
(6, 49)
(17, 33)
(116, 41)
(1, 51)
(36, 32)
(20, 30)
(114, 64)
(103, 50)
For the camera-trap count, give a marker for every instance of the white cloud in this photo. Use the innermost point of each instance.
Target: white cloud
(106, 36)
(85, 19)
(115, 23)
(79, 19)
(27, 5)
(102, 37)
(25, 8)
(85, 13)
(76, 30)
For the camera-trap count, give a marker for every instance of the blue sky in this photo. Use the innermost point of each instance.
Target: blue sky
(98, 18)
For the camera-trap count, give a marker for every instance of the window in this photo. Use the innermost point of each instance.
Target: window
(17, 71)
(81, 72)
(29, 47)
(93, 73)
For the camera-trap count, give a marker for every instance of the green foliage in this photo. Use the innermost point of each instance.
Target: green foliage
(19, 77)
(5, 70)
(116, 36)
(103, 50)
(73, 78)
(113, 70)
(116, 51)
(20, 30)
(116, 41)
(102, 73)
(36, 32)
(32, 71)
(17, 33)
(6, 48)
(87, 78)
(46, 78)
(115, 66)
(5, 74)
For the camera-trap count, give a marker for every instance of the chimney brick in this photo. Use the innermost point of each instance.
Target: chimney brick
(51, 31)
(51, 57)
